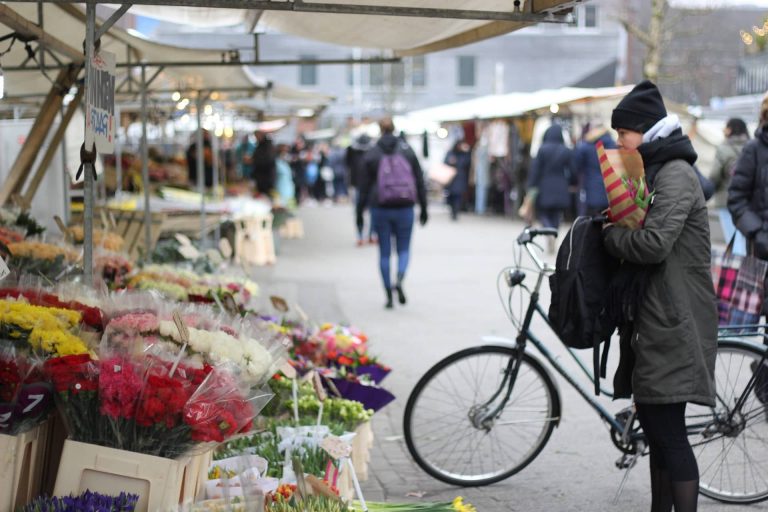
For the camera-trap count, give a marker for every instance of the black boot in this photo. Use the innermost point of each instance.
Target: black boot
(399, 288)
(389, 304)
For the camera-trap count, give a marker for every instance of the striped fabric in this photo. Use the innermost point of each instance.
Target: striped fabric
(622, 207)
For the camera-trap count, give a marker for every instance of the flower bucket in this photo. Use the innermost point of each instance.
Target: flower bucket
(21, 463)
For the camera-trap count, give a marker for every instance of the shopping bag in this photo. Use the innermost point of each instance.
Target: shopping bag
(725, 270)
(748, 292)
(624, 180)
(441, 173)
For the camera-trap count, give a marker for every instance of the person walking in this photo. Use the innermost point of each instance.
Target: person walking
(284, 187)
(391, 185)
(460, 158)
(550, 178)
(356, 165)
(673, 339)
(263, 160)
(243, 153)
(586, 168)
(726, 155)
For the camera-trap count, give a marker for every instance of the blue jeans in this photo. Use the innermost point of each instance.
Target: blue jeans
(726, 222)
(397, 223)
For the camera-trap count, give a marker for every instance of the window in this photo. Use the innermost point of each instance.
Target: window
(418, 71)
(307, 72)
(376, 74)
(466, 71)
(397, 74)
(590, 16)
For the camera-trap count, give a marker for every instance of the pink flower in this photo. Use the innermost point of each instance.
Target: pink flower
(119, 387)
(136, 322)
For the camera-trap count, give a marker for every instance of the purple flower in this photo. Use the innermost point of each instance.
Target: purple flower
(86, 502)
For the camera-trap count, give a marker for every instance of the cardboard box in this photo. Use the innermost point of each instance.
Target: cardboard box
(21, 462)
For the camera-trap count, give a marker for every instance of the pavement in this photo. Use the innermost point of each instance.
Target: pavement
(452, 303)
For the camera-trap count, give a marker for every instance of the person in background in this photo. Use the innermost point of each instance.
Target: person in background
(243, 157)
(550, 178)
(299, 168)
(586, 168)
(726, 155)
(356, 166)
(672, 343)
(337, 161)
(207, 159)
(284, 186)
(263, 161)
(460, 158)
(391, 201)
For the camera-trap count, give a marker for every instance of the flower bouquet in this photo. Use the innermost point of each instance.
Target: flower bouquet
(624, 180)
(10, 235)
(25, 397)
(87, 501)
(43, 259)
(104, 239)
(91, 316)
(113, 268)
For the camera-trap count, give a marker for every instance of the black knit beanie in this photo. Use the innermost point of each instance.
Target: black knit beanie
(640, 109)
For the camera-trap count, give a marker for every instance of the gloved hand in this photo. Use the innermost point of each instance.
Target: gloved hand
(423, 217)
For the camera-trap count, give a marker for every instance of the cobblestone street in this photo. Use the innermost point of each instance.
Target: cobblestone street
(452, 304)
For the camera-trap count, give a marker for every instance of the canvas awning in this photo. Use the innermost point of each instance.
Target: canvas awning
(405, 35)
(65, 28)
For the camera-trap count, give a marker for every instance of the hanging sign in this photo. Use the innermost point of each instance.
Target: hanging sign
(100, 104)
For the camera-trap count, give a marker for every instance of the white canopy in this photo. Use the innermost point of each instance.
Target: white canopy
(500, 106)
(404, 35)
(66, 24)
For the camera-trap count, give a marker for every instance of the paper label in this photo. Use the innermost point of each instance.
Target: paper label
(100, 103)
(288, 370)
(181, 326)
(183, 239)
(336, 447)
(189, 252)
(279, 303)
(225, 248)
(317, 384)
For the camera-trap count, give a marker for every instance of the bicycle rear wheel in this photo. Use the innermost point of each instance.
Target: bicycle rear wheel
(441, 424)
(731, 445)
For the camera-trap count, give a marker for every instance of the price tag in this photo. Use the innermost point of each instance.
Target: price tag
(317, 384)
(230, 304)
(4, 270)
(183, 239)
(181, 326)
(279, 303)
(34, 400)
(321, 487)
(189, 252)
(225, 248)
(288, 370)
(336, 447)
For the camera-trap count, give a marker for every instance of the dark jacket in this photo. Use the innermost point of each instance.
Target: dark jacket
(462, 162)
(550, 171)
(586, 168)
(674, 335)
(387, 144)
(355, 159)
(207, 164)
(726, 156)
(748, 192)
(264, 168)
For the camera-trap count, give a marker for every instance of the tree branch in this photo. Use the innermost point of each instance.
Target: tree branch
(636, 31)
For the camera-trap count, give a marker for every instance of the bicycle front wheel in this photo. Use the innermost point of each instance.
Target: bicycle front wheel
(447, 426)
(731, 444)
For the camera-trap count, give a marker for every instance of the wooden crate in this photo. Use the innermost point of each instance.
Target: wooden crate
(21, 463)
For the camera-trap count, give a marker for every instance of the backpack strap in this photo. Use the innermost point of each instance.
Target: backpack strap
(600, 364)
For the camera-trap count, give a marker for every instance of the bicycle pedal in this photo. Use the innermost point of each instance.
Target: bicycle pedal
(626, 461)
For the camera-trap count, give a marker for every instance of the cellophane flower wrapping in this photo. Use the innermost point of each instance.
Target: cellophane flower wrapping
(625, 185)
(26, 398)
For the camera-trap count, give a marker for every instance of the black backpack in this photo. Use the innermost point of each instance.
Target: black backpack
(580, 285)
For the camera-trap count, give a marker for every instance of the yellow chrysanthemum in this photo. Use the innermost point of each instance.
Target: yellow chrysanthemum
(460, 506)
(49, 328)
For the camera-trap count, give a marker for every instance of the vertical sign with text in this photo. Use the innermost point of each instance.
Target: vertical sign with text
(100, 104)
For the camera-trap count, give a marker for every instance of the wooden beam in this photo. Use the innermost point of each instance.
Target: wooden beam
(23, 26)
(53, 145)
(486, 31)
(42, 125)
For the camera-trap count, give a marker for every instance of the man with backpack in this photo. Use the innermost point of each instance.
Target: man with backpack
(391, 184)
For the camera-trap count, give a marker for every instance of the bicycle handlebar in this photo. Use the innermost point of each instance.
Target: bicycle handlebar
(529, 234)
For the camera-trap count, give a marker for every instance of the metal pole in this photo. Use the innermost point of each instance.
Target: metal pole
(215, 149)
(145, 167)
(90, 26)
(201, 167)
(67, 199)
(118, 154)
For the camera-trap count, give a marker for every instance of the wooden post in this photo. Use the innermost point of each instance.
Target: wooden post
(52, 147)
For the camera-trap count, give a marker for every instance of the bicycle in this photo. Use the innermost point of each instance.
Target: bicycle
(484, 413)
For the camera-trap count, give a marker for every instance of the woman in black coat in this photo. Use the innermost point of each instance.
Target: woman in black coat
(460, 158)
(550, 177)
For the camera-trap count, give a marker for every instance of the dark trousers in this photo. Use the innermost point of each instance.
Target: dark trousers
(664, 427)
(394, 223)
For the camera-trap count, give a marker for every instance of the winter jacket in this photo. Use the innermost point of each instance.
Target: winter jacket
(550, 172)
(586, 168)
(726, 156)
(748, 192)
(263, 161)
(674, 336)
(462, 162)
(387, 144)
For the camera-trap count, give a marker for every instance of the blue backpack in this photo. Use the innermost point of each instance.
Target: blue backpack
(395, 181)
